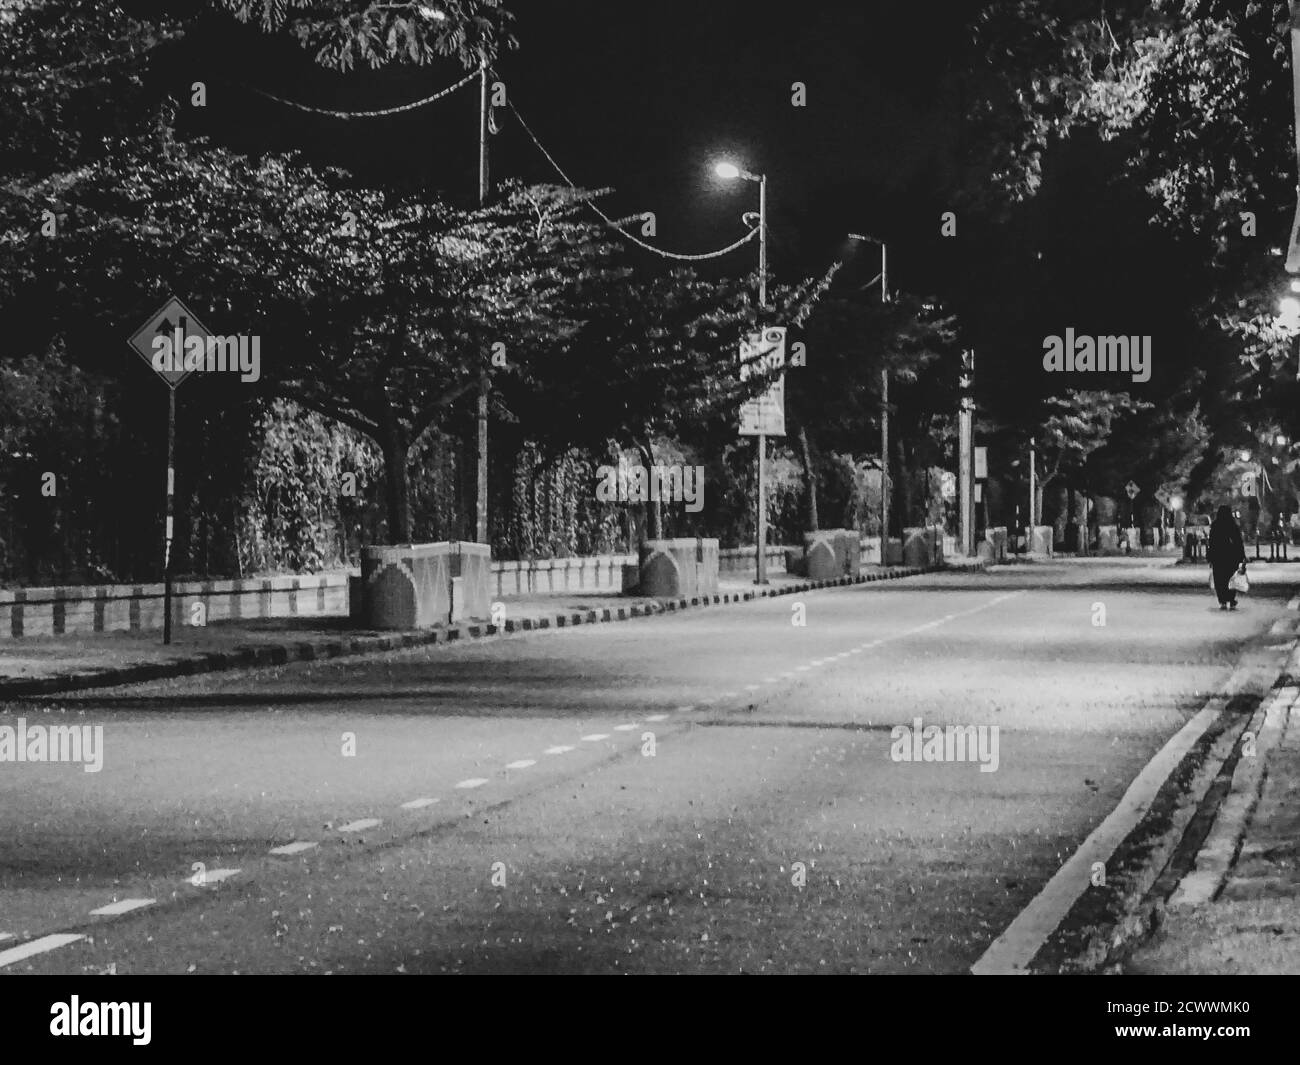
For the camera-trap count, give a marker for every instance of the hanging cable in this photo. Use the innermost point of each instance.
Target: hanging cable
(611, 222)
(365, 114)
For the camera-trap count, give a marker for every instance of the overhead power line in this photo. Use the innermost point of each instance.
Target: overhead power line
(610, 221)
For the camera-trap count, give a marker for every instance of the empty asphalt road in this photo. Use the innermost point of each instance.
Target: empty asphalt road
(717, 790)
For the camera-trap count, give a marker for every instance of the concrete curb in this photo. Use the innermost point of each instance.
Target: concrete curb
(307, 651)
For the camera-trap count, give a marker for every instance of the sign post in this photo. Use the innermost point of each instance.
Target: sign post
(763, 352)
(161, 342)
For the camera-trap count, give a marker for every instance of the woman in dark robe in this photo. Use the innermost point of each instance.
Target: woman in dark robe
(1227, 554)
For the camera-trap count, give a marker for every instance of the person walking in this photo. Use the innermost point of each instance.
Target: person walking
(1227, 555)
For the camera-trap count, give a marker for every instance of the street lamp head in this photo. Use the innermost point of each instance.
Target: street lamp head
(1176, 503)
(730, 171)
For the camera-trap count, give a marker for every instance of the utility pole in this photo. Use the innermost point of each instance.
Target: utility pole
(965, 420)
(1033, 488)
(171, 512)
(760, 552)
(481, 505)
(884, 467)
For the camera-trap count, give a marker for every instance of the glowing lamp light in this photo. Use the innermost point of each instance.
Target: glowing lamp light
(1176, 503)
(731, 171)
(1289, 306)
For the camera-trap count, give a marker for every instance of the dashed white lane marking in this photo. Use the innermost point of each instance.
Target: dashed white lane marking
(560, 749)
(360, 825)
(752, 687)
(418, 804)
(472, 782)
(522, 763)
(802, 669)
(730, 695)
(657, 717)
(297, 847)
(627, 728)
(212, 876)
(121, 906)
(787, 676)
(595, 737)
(37, 946)
(769, 680)
(688, 708)
(819, 661)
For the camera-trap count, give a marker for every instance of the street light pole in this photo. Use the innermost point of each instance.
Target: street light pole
(884, 405)
(480, 509)
(760, 552)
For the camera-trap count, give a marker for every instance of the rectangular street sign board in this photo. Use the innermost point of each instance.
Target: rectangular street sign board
(761, 353)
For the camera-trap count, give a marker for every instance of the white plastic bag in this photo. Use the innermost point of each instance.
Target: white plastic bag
(1238, 582)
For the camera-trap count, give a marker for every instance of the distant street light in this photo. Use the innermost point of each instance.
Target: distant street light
(1176, 503)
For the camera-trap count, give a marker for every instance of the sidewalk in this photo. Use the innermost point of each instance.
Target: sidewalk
(43, 665)
(1238, 912)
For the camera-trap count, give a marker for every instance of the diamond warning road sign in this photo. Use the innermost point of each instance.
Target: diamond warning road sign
(161, 340)
(1132, 490)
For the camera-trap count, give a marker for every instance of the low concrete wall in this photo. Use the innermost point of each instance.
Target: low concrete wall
(78, 609)
(559, 574)
(871, 551)
(733, 560)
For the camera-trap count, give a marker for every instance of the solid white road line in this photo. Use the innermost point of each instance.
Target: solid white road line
(472, 782)
(418, 804)
(122, 906)
(522, 763)
(595, 737)
(1012, 951)
(627, 728)
(296, 847)
(562, 749)
(361, 825)
(37, 946)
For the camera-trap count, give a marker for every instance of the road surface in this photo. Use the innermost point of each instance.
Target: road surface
(712, 791)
